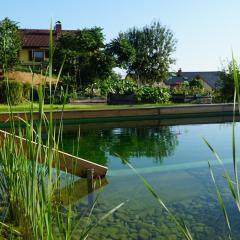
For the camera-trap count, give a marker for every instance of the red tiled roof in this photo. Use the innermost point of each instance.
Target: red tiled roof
(36, 37)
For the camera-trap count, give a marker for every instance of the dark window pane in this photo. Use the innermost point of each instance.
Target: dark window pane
(38, 56)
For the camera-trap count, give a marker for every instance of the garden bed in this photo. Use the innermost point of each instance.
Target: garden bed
(121, 99)
(185, 98)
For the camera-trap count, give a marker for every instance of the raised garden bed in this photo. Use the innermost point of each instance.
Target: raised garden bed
(185, 98)
(121, 99)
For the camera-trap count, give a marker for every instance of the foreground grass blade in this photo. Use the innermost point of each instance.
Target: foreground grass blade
(220, 199)
(236, 100)
(86, 232)
(226, 175)
(180, 223)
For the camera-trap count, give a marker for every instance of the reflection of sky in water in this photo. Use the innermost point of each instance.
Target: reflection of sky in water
(181, 176)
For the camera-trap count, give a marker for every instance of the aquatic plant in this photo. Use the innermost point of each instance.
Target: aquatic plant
(30, 189)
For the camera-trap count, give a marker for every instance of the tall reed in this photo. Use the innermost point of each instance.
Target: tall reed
(31, 209)
(232, 183)
(28, 183)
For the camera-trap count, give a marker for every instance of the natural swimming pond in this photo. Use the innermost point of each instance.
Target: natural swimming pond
(174, 160)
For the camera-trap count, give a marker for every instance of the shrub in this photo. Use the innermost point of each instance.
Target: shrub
(187, 89)
(196, 83)
(104, 86)
(123, 86)
(152, 94)
(15, 93)
(113, 84)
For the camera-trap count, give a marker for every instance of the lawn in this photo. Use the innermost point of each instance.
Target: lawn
(27, 106)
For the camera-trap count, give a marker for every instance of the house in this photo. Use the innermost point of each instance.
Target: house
(210, 79)
(35, 44)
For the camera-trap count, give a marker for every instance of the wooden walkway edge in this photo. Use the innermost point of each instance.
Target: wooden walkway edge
(66, 162)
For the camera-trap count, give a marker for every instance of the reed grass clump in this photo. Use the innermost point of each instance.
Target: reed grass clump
(28, 183)
(30, 189)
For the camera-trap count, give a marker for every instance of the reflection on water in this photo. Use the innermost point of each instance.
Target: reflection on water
(97, 144)
(80, 188)
(174, 161)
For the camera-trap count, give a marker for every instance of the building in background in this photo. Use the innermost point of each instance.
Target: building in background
(35, 44)
(210, 79)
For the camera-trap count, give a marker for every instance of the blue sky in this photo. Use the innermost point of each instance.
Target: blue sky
(207, 30)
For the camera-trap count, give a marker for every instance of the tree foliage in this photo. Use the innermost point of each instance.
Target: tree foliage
(86, 57)
(145, 53)
(226, 83)
(122, 51)
(196, 82)
(10, 44)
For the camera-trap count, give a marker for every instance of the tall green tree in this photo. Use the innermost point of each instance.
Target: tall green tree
(122, 51)
(85, 54)
(10, 44)
(153, 48)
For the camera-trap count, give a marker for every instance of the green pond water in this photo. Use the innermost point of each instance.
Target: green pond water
(174, 160)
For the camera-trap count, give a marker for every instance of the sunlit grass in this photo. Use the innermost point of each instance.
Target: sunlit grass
(35, 106)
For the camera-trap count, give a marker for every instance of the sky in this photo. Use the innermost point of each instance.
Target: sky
(207, 31)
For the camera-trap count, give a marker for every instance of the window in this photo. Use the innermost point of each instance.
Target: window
(38, 56)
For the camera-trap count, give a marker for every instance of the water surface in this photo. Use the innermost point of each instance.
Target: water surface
(174, 160)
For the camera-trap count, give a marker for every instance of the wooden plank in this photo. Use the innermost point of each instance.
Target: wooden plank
(66, 162)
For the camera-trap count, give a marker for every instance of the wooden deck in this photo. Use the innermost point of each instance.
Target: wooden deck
(66, 162)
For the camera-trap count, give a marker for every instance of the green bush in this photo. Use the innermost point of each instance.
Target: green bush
(113, 84)
(196, 83)
(152, 94)
(11, 91)
(123, 86)
(187, 89)
(116, 85)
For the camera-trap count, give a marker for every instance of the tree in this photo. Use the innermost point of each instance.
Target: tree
(10, 44)
(122, 51)
(86, 57)
(226, 83)
(153, 46)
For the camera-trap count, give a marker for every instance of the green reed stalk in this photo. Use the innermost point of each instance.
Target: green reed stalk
(233, 185)
(28, 186)
(179, 222)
